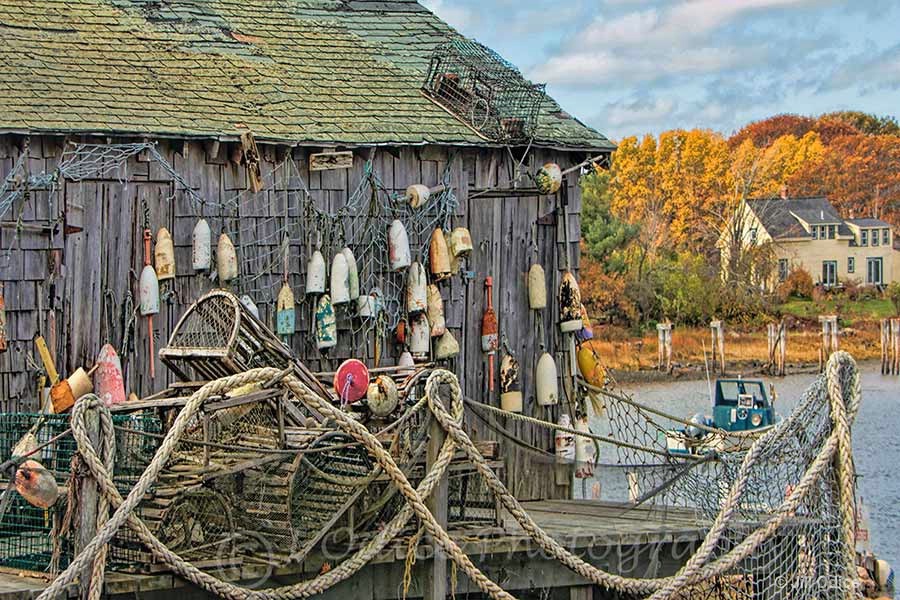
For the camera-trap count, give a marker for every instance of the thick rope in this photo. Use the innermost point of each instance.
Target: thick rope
(843, 382)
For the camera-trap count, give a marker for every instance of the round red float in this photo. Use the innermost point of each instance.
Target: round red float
(351, 381)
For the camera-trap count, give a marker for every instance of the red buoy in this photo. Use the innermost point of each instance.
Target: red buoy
(351, 381)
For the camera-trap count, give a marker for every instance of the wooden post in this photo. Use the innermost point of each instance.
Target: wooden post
(771, 365)
(664, 333)
(436, 576)
(829, 338)
(582, 592)
(895, 344)
(718, 346)
(87, 507)
(886, 346)
(782, 348)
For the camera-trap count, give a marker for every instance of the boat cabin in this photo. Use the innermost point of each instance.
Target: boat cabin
(742, 404)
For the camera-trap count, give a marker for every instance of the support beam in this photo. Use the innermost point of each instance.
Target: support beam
(87, 506)
(436, 574)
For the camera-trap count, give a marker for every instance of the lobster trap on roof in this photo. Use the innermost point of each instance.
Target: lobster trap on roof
(484, 91)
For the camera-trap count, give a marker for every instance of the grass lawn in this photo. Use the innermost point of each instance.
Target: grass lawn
(849, 311)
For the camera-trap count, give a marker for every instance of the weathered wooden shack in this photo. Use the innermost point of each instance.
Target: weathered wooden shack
(121, 115)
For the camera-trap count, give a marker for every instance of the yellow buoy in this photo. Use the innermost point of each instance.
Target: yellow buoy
(510, 385)
(537, 288)
(164, 255)
(286, 313)
(439, 255)
(436, 311)
(546, 381)
(569, 304)
(589, 366)
(226, 259)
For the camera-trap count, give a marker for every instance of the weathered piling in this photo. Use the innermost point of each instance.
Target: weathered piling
(890, 347)
(829, 336)
(664, 356)
(717, 333)
(777, 335)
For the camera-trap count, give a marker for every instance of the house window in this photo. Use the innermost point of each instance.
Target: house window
(829, 273)
(875, 237)
(886, 237)
(753, 235)
(864, 237)
(874, 271)
(782, 269)
(851, 265)
(832, 231)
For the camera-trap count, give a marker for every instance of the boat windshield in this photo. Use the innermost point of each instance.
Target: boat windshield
(731, 391)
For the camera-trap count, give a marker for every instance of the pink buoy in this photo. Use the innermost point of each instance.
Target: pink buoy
(108, 381)
(351, 382)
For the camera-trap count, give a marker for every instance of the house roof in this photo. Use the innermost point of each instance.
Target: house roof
(780, 217)
(300, 71)
(868, 222)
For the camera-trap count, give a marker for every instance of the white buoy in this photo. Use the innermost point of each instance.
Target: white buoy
(406, 360)
(201, 249)
(352, 273)
(226, 259)
(546, 381)
(164, 255)
(537, 288)
(382, 396)
(584, 450)
(340, 280)
(436, 311)
(416, 289)
(149, 292)
(250, 305)
(398, 246)
(549, 178)
(563, 440)
(419, 337)
(418, 195)
(369, 305)
(315, 274)
(326, 324)
(446, 346)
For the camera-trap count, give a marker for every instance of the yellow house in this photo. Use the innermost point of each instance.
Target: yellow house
(809, 233)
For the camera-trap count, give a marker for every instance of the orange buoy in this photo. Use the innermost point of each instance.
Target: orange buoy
(108, 379)
(164, 255)
(490, 340)
(439, 255)
(64, 393)
(590, 367)
(36, 484)
(436, 311)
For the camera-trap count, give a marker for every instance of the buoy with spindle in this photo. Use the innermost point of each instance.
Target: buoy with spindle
(149, 298)
(490, 340)
(201, 247)
(399, 255)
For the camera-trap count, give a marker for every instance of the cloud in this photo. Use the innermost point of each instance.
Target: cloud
(638, 112)
(460, 17)
(868, 71)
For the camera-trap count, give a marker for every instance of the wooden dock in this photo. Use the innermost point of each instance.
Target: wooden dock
(640, 542)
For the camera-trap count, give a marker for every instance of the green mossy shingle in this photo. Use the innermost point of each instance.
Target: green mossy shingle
(301, 71)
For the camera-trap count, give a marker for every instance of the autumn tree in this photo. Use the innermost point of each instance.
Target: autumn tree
(765, 132)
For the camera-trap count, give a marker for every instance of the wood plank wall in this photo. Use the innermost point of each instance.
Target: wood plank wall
(100, 264)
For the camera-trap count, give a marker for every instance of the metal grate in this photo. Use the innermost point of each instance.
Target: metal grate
(484, 91)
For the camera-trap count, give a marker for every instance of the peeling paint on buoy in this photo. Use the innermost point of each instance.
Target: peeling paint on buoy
(201, 249)
(149, 292)
(446, 346)
(340, 280)
(109, 383)
(164, 255)
(326, 324)
(285, 315)
(416, 289)
(315, 274)
(439, 255)
(382, 396)
(549, 178)
(537, 288)
(436, 311)
(226, 259)
(398, 246)
(418, 195)
(510, 385)
(352, 273)
(419, 337)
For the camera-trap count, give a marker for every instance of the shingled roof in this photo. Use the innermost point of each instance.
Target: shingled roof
(781, 217)
(299, 71)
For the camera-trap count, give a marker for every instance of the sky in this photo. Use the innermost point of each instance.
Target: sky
(630, 67)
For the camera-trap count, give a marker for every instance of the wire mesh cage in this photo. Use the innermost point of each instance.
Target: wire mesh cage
(27, 533)
(484, 91)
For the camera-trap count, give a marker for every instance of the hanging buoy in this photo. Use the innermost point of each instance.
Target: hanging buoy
(564, 441)
(446, 347)
(398, 247)
(589, 365)
(537, 288)
(164, 255)
(406, 360)
(64, 393)
(439, 255)
(286, 319)
(226, 259)
(587, 331)
(416, 289)
(585, 452)
(36, 484)
(250, 305)
(315, 274)
(549, 179)
(108, 380)
(436, 311)
(419, 337)
(569, 304)
(510, 385)
(4, 343)
(340, 280)
(326, 325)
(201, 249)
(370, 305)
(418, 195)
(460, 243)
(490, 340)
(352, 273)
(400, 332)
(351, 381)
(546, 380)
(149, 292)
(382, 396)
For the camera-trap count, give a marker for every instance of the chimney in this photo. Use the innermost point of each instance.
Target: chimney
(822, 214)
(784, 192)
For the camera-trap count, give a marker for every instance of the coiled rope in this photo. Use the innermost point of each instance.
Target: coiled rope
(843, 390)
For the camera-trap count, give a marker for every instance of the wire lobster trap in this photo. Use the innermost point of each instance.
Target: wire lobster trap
(484, 91)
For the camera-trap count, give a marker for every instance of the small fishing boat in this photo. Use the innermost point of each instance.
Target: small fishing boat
(738, 405)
